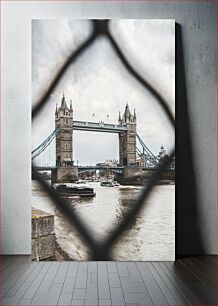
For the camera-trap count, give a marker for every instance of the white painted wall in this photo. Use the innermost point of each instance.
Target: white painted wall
(198, 21)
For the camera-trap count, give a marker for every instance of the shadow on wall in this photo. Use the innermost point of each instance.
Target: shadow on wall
(188, 235)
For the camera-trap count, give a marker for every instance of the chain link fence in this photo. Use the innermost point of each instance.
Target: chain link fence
(102, 250)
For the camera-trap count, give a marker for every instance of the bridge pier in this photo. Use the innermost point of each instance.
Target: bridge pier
(64, 175)
(131, 175)
(130, 171)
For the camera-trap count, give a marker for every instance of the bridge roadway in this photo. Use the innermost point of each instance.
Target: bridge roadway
(98, 127)
(93, 168)
(83, 168)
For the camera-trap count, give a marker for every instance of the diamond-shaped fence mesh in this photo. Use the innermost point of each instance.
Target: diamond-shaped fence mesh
(102, 250)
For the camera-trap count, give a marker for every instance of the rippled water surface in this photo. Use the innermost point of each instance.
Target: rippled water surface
(152, 236)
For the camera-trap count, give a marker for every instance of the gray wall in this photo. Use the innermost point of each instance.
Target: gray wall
(198, 21)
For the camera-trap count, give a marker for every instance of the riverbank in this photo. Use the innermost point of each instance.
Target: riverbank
(132, 181)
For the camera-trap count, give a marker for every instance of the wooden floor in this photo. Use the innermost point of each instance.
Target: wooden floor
(188, 281)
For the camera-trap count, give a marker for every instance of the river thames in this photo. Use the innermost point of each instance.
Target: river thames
(151, 237)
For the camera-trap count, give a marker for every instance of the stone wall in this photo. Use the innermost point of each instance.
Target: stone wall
(43, 236)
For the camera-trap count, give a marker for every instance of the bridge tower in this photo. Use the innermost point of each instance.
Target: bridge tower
(65, 169)
(127, 139)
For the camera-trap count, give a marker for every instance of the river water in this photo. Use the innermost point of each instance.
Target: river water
(151, 237)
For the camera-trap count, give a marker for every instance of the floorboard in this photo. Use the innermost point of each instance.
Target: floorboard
(188, 281)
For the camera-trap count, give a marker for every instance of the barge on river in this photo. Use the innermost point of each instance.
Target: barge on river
(68, 190)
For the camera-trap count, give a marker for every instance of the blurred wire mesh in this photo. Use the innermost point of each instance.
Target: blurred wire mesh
(102, 250)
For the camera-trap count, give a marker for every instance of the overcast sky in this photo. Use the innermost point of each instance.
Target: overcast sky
(98, 83)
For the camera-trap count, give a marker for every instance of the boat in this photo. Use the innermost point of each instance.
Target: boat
(68, 190)
(107, 184)
(81, 182)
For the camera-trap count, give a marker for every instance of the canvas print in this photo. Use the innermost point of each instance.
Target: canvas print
(101, 136)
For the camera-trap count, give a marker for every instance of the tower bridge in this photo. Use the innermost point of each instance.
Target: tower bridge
(126, 128)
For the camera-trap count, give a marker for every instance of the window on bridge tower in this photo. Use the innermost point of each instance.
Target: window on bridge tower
(125, 161)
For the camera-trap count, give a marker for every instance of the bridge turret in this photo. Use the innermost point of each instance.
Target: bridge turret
(119, 119)
(66, 171)
(127, 139)
(127, 116)
(56, 113)
(162, 152)
(64, 121)
(63, 103)
(134, 116)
